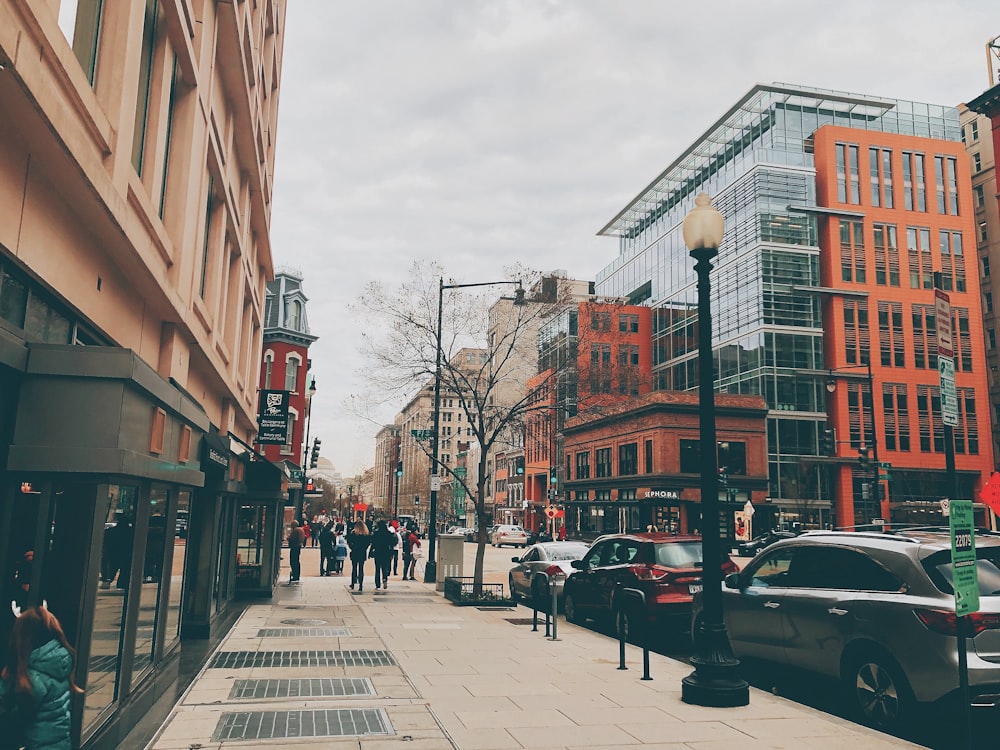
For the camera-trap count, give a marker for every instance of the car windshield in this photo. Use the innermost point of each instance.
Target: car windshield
(679, 554)
(938, 567)
(568, 552)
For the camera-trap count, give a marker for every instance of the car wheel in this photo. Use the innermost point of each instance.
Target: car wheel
(513, 592)
(878, 690)
(569, 607)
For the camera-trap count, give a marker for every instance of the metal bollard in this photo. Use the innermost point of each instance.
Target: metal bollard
(626, 594)
(555, 613)
(621, 644)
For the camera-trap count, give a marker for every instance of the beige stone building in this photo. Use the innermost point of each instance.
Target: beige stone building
(136, 168)
(978, 139)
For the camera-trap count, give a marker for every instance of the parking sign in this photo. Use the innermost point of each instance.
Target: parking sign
(964, 576)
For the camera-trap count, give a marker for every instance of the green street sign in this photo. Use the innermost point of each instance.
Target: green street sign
(964, 576)
(422, 434)
(884, 465)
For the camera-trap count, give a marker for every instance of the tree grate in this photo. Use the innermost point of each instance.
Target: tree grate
(248, 659)
(308, 688)
(339, 722)
(519, 620)
(303, 632)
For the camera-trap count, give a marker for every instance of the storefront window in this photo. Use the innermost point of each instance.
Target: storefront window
(152, 574)
(177, 562)
(118, 509)
(251, 524)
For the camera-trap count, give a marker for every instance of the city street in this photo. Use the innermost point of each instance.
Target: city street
(931, 731)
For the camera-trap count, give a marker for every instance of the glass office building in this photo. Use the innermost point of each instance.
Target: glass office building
(757, 163)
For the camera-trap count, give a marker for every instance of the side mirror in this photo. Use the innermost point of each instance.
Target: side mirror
(515, 559)
(577, 564)
(733, 581)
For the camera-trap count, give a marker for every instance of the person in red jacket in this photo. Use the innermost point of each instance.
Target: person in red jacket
(411, 551)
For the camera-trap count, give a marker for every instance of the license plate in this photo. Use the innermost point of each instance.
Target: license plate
(694, 588)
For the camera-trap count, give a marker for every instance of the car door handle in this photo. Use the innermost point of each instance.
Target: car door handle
(772, 605)
(837, 611)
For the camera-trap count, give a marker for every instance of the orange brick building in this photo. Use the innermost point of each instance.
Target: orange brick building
(639, 464)
(894, 211)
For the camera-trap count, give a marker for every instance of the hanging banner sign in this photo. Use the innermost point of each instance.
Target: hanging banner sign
(272, 421)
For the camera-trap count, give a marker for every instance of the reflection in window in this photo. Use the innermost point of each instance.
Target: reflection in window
(109, 615)
(152, 574)
(80, 21)
(177, 562)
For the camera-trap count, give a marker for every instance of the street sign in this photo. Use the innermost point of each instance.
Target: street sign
(942, 317)
(550, 511)
(422, 434)
(963, 558)
(949, 396)
(884, 465)
(435, 482)
(990, 494)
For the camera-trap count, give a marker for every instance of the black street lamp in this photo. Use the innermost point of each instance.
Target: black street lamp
(716, 680)
(310, 392)
(430, 568)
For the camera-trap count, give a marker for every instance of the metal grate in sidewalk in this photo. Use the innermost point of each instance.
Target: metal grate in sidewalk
(307, 688)
(249, 659)
(303, 632)
(303, 621)
(519, 620)
(340, 722)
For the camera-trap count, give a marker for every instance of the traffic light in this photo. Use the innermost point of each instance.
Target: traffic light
(863, 460)
(828, 442)
(519, 295)
(399, 469)
(723, 477)
(314, 458)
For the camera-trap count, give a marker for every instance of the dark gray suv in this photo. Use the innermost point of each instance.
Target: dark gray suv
(873, 610)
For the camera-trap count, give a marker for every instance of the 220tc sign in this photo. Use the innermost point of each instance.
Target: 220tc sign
(965, 578)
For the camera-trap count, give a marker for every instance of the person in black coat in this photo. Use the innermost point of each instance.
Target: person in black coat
(383, 543)
(327, 543)
(359, 539)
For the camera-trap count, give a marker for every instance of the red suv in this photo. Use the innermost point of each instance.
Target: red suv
(665, 568)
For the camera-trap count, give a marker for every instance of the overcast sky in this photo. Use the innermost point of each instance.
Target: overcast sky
(479, 133)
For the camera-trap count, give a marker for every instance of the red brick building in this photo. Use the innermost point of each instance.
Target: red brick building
(638, 463)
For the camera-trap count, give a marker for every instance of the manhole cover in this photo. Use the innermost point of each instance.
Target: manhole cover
(341, 722)
(303, 632)
(354, 658)
(309, 688)
(303, 621)
(519, 620)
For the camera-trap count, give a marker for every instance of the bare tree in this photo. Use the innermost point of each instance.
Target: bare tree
(480, 359)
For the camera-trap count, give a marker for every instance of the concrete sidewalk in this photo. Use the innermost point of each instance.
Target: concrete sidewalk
(404, 665)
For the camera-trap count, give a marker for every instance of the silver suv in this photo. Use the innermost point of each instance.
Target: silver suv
(873, 610)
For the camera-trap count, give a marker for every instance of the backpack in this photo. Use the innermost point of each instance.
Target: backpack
(406, 544)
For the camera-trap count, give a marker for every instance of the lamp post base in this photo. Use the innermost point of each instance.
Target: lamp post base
(716, 680)
(430, 572)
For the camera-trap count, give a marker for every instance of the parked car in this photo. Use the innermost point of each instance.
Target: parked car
(664, 567)
(463, 531)
(541, 567)
(509, 534)
(755, 545)
(875, 611)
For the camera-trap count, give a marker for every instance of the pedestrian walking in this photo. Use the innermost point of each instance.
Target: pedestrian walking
(307, 532)
(397, 548)
(36, 683)
(359, 540)
(296, 538)
(411, 551)
(383, 542)
(340, 551)
(327, 548)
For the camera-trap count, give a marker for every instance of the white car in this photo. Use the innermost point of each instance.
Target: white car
(508, 534)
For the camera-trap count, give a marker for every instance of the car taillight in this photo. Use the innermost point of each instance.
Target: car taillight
(554, 571)
(650, 572)
(944, 621)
